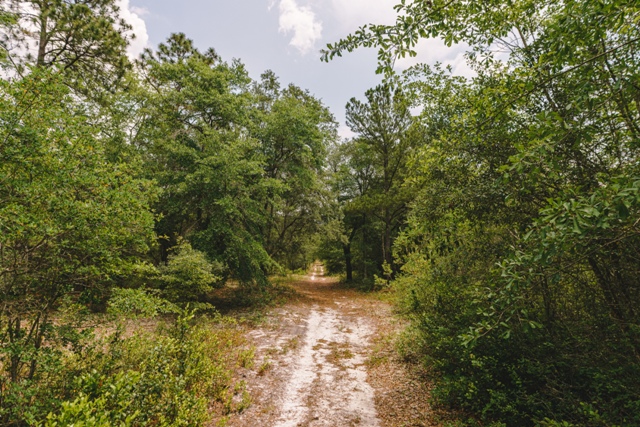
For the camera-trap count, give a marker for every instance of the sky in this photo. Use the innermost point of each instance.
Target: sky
(284, 36)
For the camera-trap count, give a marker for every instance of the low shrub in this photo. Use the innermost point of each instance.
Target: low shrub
(168, 375)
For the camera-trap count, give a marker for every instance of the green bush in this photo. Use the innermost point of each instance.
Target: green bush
(518, 341)
(108, 406)
(138, 303)
(188, 275)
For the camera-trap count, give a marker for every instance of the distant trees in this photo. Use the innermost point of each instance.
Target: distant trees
(294, 130)
(344, 246)
(383, 127)
(370, 177)
(238, 161)
(194, 144)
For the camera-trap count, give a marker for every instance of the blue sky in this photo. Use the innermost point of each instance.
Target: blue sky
(284, 36)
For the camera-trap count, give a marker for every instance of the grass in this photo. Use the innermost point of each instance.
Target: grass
(339, 352)
(291, 344)
(265, 366)
(246, 357)
(382, 349)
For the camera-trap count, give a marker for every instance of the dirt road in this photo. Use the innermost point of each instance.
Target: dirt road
(327, 359)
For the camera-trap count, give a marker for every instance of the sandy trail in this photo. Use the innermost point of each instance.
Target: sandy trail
(311, 367)
(328, 379)
(328, 382)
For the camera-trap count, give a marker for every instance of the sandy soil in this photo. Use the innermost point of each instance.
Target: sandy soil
(327, 359)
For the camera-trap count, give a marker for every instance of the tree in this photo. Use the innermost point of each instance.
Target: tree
(351, 173)
(294, 130)
(71, 223)
(238, 160)
(84, 39)
(520, 262)
(368, 178)
(194, 139)
(384, 128)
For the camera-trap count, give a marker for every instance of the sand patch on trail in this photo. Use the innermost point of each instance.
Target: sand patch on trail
(328, 383)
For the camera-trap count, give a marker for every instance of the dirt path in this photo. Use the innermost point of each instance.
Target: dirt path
(327, 360)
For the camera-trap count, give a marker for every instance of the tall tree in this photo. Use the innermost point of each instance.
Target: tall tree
(351, 174)
(294, 130)
(383, 125)
(85, 39)
(194, 138)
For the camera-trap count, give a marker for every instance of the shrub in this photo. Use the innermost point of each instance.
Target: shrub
(167, 376)
(188, 275)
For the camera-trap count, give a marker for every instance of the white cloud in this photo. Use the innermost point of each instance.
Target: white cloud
(133, 15)
(140, 11)
(302, 22)
(345, 132)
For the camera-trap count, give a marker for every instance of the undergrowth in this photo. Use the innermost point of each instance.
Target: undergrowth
(168, 374)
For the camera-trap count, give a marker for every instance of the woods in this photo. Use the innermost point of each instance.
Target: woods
(501, 211)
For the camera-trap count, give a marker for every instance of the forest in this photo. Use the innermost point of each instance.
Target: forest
(501, 212)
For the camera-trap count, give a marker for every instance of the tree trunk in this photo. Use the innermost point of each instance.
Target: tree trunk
(387, 256)
(15, 332)
(347, 260)
(364, 248)
(42, 42)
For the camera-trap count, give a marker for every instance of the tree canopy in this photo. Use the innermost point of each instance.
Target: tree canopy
(154, 182)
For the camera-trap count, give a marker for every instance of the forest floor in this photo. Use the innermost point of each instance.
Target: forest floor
(327, 358)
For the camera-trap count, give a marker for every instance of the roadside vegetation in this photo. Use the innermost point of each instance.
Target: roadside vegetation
(511, 202)
(139, 188)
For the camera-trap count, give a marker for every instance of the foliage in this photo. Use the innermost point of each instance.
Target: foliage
(167, 377)
(194, 147)
(369, 181)
(511, 202)
(71, 222)
(99, 161)
(238, 160)
(110, 408)
(520, 256)
(294, 130)
(138, 303)
(93, 160)
(85, 40)
(188, 274)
